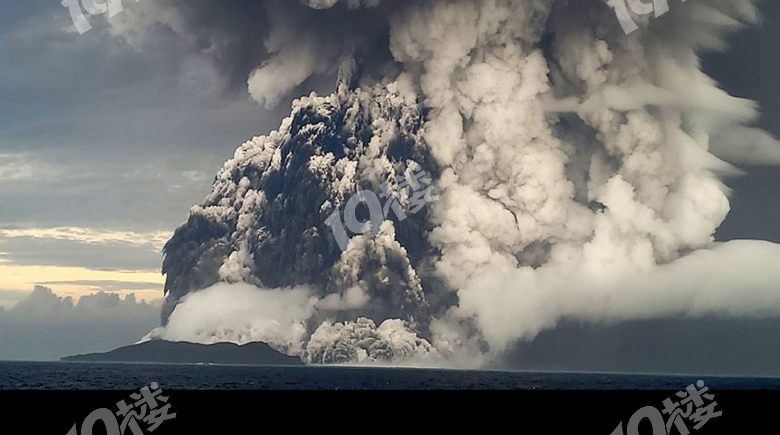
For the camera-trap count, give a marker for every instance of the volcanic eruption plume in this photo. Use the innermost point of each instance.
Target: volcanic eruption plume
(577, 170)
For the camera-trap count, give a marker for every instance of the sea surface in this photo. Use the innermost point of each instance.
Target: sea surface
(117, 376)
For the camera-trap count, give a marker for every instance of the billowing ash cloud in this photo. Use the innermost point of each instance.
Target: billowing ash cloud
(574, 163)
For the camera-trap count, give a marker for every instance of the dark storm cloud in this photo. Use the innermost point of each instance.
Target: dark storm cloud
(755, 206)
(749, 69)
(696, 346)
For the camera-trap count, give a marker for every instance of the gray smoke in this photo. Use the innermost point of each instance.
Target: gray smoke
(577, 168)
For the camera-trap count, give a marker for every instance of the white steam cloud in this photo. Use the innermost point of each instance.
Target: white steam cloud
(242, 313)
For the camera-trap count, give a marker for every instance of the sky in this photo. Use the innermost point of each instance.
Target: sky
(104, 147)
(103, 150)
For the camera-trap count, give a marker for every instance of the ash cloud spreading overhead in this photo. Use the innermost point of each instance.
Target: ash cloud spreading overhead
(265, 46)
(577, 169)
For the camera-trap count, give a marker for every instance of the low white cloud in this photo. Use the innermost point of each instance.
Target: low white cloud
(45, 326)
(9, 298)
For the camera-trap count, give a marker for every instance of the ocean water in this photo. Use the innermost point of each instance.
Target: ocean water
(117, 376)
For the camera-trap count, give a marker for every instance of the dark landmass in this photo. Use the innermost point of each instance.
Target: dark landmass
(159, 351)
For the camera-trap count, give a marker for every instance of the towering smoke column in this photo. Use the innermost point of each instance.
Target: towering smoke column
(572, 161)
